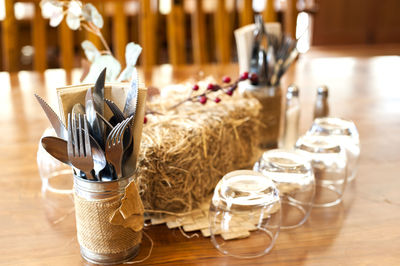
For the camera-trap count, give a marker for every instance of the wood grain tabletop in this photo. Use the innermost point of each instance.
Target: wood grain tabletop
(39, 228)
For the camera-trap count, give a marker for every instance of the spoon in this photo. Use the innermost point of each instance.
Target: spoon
(57, 148)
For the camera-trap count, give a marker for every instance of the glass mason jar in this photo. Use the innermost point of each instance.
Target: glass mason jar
(100, 241)
(346, 132)
(329, 163)
(57, 182)
(270, 98)
(294, 178)
(245, 214)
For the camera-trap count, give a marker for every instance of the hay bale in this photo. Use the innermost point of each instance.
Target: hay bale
(185, 152)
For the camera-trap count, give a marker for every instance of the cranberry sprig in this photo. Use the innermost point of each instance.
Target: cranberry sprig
(228, 87)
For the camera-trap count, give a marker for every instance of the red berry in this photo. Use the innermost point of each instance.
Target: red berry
(145, 120)
(226, 79)
(217, 100)
(202, 99)
(229, 92)
(216, 87)
(254, 78)
(210, 87)
(244, 76)
(195, 87)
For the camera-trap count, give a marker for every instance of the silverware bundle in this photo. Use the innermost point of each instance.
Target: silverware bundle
(96, 148)
(271, 54)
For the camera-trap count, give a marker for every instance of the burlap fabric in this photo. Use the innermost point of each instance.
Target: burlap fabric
(96, 233)
(111, 225)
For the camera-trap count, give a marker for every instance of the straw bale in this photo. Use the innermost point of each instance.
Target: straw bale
(185, 152)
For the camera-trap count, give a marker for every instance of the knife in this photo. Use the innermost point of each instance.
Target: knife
(132, 96)
(55, 121)
(94, 104)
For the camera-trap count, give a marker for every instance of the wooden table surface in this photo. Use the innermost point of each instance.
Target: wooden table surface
(363, 230)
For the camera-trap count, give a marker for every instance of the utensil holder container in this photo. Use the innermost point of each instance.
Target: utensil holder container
(100, 241)
(270, 98)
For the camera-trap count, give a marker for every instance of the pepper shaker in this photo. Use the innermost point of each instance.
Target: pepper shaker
(321, 108)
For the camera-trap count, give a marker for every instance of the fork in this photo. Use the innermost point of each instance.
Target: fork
(115, 145)
(79, 151)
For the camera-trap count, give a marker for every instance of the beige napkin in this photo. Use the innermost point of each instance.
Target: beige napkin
(244, 42)
(69, 96)
(130, 213)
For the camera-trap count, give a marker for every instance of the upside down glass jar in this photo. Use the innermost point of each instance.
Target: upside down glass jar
(294, 178)
(329, 163)
(57, 182)
(245, 214)
(344, 131)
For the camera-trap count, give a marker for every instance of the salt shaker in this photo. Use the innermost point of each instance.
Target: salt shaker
(292, 117)
(321, 108)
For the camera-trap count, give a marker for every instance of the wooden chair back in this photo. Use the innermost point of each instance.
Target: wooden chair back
(209, 38)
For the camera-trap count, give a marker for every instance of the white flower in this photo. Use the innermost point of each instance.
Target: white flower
(73, 16)
(56, 16)
(132, 53)
(75, 8)
(73, 22)
(49, 7)
(90, 50)
(91, 14)
(99, 62)
(113, 68)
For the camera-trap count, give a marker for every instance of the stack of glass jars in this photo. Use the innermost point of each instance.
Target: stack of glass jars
(283, 188)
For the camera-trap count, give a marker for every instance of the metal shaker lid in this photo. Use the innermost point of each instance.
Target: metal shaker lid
(292, 90)
(323, 90)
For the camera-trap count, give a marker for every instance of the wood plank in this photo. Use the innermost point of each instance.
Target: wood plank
(9, 38)
(200, 54)
(148, 29)
(120, 38)
(176, 33)
(247, 14)
(269, 13)
(223, 33)
(66, 39)
(39, 34)
(290, 18)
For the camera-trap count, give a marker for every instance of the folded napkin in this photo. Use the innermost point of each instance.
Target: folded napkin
(244, 42)
(69, 96)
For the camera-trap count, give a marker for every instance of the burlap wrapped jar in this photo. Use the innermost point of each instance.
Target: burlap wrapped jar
(109, 219)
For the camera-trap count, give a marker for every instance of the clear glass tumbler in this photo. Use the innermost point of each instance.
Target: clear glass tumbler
(329, 163)
(346, 132)
(57, 182)
(245, 214)
(294, 177)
